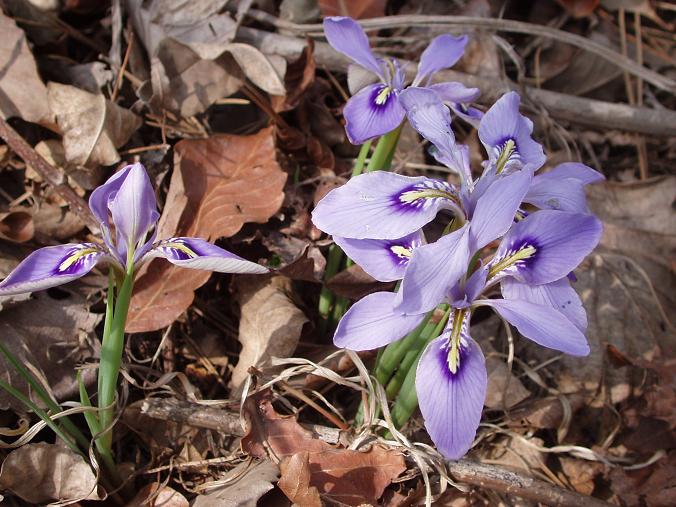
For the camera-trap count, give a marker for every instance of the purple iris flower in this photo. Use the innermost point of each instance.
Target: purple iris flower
(531, 265)
(127, 202)
(375, 110)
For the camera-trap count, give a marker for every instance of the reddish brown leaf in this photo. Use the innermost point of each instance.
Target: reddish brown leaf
(341, 475)
(580, 8)
(218, 185)
(357, 9)
(355, 283)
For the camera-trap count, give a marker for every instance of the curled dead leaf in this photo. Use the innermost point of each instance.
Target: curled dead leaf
(218, 185)
(23, 92)
(41, 473)
(16, 226)
(270, 324)
(92, 127)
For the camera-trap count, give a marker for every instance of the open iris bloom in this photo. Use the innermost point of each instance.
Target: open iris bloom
(126, 209)
(377, 218)
(375, 110)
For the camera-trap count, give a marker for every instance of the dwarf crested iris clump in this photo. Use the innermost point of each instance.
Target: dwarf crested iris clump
(126, 209)
(539, 222)
(376, 109)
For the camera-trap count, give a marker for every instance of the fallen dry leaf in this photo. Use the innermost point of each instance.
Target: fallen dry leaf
(218, 185)
(54, 344)
(270, 324)
(41, 473)
(92, 127)
(243, 486)
(357, 9)
(295, 481)
(16, 226)
(23, 92)
(355, 283)
(340, 475)
(258, 68)
(653, 486)
(154, 495)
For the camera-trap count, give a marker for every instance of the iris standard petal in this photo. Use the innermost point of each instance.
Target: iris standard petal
(372, 112)
(433, 271)
(574, 170)
(383, 205)
(542, 324)
(371, 323)
(196, 253)
(557, 194)
(451, 403)
(546, 246)
(494, 211)
(506, 135)
(99, 200)
(443, 52)
(134, 207)
(52, 266)
(383, 259)
(346, 36)
(455, 93)
(559, 295)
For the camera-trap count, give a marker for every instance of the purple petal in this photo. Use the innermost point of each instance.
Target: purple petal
(470, 114)
(433, 271)
(134, 208)
(547, 245)
(196, 253)
(451, 403)
(506, 135)
(494, 211)
(383, 259)
(542, 324)
(382, 205)
(443, 52)
(574, 170)
(372, 112)
(432, 119)
(564, 194)
(371, 323)
(52, 266)
(455, 93)
(346, 36)
(559, 295)
(100, 198)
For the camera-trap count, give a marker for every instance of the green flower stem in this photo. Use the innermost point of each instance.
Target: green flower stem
(407, 400)
(326, 297)
(111, 357)
(110, 308)
(42, 415)
(38, 388)
(361, 158)
(381, 160)
(394, 353)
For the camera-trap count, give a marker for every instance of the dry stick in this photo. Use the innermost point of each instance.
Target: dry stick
(123, 67)
(505, 25)
(469, 472)
(579, 110)
(53, 176)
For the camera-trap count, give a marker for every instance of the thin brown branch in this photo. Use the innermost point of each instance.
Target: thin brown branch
(50, 174)
(468, 472)
(501, 25)
(579, 110)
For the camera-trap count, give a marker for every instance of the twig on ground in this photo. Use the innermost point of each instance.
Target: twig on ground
(468, 472)
(502, 25)
(52, 176)
(579, 110)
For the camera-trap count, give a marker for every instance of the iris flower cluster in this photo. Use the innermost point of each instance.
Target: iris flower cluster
(511, 232)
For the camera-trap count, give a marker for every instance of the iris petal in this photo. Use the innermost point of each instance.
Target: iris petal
(442, 53)
(52, 266)
(372, 112)
(383, 259)
(371, 323)
(346, 36)
(197, 253)
(383, 205)
(451, 403)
